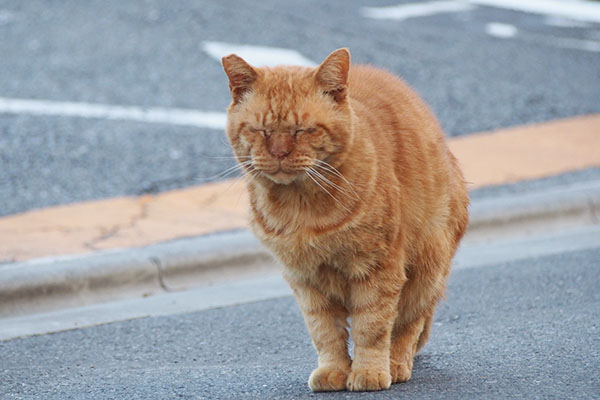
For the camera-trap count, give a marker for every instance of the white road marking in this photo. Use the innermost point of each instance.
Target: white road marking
(506, 31)
(575, 44)
(412, 10)
(579, 10)
(156, 115)
(562, 22)
(259, 56)
(6, 17)
(500, 30)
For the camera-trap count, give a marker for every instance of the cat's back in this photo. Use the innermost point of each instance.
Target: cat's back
(408, 141)
(367, 82)
(384, 98)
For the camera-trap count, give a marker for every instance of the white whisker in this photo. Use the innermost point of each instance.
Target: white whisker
(228, 171)
(250, 175)
(334, 185)
(309, 172)
(330, 168)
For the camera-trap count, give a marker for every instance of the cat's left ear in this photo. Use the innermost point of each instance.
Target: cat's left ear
(241, 75)
(332, 74)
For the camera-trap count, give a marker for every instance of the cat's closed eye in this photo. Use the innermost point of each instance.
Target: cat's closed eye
(261, 131)
(301, 130)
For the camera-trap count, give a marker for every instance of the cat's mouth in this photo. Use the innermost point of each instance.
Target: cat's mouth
(282, 172)
(282, 177)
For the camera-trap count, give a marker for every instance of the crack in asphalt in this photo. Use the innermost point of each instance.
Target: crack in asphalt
(113, 231)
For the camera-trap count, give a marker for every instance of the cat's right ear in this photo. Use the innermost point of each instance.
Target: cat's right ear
(241, 75)
(332, 74)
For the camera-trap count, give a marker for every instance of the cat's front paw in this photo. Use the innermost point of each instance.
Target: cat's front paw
(327, 379)
(368, 379)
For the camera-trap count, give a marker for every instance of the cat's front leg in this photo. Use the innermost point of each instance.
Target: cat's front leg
(373, 314)
(327, 324)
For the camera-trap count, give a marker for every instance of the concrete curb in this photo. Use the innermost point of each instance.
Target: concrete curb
(549, 209)
(44, 284)
(49, 283)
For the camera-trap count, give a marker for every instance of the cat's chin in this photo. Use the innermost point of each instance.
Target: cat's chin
(282, 178)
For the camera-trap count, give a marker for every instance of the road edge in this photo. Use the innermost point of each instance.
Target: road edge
(44, 284)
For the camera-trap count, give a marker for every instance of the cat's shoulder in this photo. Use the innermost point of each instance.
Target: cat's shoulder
(370, 75)
(371, 85)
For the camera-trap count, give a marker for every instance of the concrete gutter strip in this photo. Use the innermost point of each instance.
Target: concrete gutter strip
(207, 259)
(558, 207)
(553, 202)
(45, 284)
(42, 284)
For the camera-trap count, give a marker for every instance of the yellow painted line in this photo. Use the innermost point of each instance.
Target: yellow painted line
(529, 152)
(123, 221)
(491, 158)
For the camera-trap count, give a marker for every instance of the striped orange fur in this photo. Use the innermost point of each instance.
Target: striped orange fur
(353, 188)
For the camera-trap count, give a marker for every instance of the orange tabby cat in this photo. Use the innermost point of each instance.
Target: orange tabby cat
(355, 191)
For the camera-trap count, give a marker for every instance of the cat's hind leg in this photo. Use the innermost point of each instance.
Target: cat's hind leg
(406, 341)
(425, 287)
(424, 336)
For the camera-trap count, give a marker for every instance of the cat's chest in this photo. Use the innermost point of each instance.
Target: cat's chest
(303, 247)
(302, 242)
(297, 231)
(304, 254)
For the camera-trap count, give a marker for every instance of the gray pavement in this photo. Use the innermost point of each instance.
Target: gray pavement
(149, 53)
(517, 329)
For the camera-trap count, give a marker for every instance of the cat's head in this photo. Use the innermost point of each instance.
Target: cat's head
(285, 120)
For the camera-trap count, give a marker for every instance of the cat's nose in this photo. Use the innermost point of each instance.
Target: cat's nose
(280, 145)
(280, 153)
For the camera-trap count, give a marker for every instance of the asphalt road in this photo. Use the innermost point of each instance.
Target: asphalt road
(518, 329)
(149, 54)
